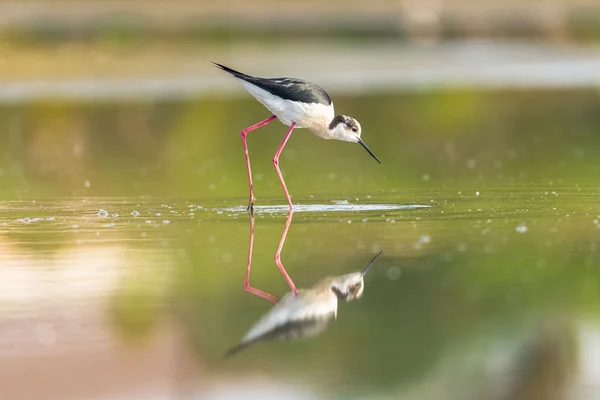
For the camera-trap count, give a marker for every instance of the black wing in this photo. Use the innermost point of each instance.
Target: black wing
(287, 88)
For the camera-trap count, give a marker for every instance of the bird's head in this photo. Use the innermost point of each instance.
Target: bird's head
(347, 129)
(350, 287)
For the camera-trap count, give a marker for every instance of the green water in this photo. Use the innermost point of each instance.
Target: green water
(504, 258)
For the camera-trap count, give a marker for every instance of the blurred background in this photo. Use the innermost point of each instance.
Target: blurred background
(123, 237)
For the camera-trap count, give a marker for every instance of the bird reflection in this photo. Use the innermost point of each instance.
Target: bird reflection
(287, 278)
(302, 313)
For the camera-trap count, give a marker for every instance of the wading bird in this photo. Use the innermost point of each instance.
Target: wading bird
(297, 104)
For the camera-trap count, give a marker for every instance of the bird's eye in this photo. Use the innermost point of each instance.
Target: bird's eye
(354, 130)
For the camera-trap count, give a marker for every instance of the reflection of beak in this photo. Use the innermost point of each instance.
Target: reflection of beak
(364, 271)
(367, 149)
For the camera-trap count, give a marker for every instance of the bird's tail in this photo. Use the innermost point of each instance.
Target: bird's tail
(233, 72)
(233, 351)
(236, 349)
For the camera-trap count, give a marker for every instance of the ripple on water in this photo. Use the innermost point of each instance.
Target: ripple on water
(338, 207)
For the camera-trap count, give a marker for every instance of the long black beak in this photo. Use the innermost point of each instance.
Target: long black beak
(364, 271)
(367, 149)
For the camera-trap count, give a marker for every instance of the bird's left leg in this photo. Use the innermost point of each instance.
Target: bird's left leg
(244, 134)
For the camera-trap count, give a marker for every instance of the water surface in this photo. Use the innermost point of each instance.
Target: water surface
(124, 240)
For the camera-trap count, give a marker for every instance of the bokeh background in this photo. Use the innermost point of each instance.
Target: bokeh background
(123, 239)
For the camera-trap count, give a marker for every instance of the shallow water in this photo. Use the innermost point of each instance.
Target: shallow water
(460, 283)
(124, 240)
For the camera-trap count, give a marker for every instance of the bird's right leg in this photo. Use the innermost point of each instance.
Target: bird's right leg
(247, 286)
(244, 134)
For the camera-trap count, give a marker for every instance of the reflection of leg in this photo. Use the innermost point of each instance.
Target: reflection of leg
(247, 286)
(276, 164)
(244, 134)
(278, 253)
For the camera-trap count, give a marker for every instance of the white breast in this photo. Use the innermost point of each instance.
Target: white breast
(314, 116)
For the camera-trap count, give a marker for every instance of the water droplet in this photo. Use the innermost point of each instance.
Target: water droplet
(424, 239)
(134, 213)
(103, 213)
(87, 184)
(166, 221)
(25, 220)
(521, 228)
(340, 202)
(394, 273)
(447, 257)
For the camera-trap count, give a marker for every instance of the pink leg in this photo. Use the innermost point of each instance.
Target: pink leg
(276, 164)
(247, 286)
(244, 134)
(289, 281)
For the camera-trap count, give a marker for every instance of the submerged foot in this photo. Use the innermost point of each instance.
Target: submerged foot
(250, 208)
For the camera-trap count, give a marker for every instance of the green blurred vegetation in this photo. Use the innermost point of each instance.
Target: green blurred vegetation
(462, 139)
